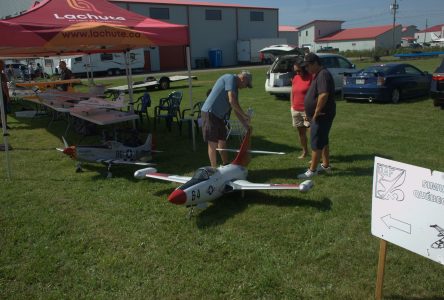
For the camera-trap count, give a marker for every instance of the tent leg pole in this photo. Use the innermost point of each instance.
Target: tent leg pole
(190, 89)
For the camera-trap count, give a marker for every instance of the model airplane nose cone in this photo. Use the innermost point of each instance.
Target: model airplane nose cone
(178, 197)
(71, 151)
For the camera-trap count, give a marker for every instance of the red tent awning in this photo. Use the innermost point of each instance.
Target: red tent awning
(63, 27)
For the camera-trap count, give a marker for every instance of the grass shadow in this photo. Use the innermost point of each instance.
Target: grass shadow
(229, 206)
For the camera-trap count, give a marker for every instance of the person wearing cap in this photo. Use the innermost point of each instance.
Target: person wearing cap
(320, 109)
(222, 99)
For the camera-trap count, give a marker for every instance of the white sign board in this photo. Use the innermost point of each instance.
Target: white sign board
(408, 207)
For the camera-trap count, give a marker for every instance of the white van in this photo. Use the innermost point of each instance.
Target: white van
(107, 63)
(280, 74)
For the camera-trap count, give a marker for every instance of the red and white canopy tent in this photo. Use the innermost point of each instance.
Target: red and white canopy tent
(67, 27)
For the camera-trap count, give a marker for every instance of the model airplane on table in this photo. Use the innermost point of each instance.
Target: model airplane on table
(95, 103)
(208, 184)
(110, 153)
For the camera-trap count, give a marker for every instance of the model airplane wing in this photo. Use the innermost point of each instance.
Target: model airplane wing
(152, 173)
(251, 151)
(123, 162)
(240, 185)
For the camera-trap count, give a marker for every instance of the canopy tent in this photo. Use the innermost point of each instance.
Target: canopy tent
(67, 27)
(64, 27)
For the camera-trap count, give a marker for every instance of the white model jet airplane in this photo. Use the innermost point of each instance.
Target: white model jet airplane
(208, 184)
(110, 153)
(94, 103)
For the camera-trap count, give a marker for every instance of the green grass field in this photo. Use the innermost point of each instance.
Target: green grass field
(80, 235)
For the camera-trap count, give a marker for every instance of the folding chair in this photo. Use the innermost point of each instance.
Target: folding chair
(169, 109)
(189, 115)
(141, 106)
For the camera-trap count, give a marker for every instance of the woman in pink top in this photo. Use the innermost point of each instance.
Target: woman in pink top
(299, 87)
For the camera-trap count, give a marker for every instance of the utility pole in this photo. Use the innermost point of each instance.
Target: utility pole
(425, 32)
(393, 7)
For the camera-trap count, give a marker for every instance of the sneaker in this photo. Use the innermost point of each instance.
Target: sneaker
(308, 174)
(321, 168)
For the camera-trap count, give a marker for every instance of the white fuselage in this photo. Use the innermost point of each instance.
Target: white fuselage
(112, 150)
(213, 187)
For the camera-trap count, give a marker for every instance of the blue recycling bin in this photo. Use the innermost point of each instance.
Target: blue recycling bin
(215, 57)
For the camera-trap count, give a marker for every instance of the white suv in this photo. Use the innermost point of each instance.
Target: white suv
(280, 74)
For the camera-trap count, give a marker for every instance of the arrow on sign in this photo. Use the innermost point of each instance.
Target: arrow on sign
(395, 223)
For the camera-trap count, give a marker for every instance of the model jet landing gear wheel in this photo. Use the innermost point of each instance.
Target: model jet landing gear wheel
(79, 168)
(190, 213)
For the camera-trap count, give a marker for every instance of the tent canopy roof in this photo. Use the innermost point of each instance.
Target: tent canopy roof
(65, 27)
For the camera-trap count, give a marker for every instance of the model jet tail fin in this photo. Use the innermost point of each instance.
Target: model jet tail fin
(148, 143)
(65, 143)
(243, 157)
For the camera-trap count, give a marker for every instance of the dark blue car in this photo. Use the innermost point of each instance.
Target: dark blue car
(386, 83)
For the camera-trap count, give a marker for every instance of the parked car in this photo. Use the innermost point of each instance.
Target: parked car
(437, 86)
(280, 74)
(386, 83)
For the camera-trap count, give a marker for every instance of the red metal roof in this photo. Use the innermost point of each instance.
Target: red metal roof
(357, 33)
(433, 28)
(288, 28)
(192, 3)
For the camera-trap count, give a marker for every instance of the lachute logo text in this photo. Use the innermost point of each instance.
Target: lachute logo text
(82, 5)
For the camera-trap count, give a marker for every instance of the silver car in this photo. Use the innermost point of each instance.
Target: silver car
(280, 74)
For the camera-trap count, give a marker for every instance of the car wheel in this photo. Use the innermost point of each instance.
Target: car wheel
(116, 72)
(395, 96)
(109, 72)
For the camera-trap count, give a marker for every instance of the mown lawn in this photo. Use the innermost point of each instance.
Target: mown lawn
(80, 235)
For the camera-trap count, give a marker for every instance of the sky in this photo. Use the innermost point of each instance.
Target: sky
(355, 13)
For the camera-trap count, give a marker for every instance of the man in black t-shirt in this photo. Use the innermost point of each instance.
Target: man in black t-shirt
(65, 74)
(320, 109)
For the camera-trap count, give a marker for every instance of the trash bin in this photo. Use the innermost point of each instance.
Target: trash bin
(215, 57)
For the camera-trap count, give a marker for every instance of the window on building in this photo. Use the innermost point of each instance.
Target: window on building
(256, 16)
(78, 59)
(213, 14)
(160, 13)
(306, 32)
(106, 56)
(319, 32)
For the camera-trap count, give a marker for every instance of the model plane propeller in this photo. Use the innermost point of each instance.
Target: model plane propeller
(110, 153)
(208, 184)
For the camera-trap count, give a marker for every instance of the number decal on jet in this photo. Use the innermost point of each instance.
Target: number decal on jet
(195, 195)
